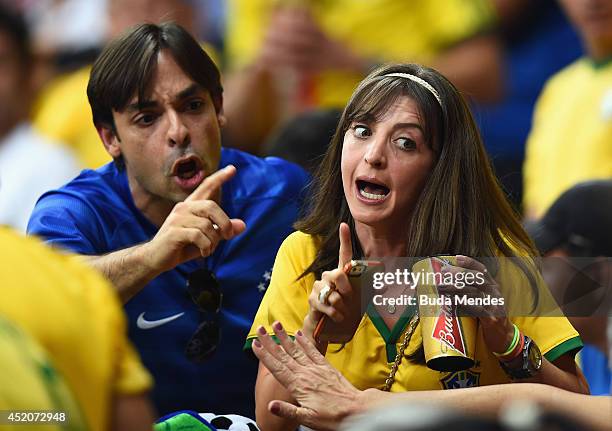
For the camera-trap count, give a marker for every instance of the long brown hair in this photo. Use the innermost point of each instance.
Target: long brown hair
(461, 209)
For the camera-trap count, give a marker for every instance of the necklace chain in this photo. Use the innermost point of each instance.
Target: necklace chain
(400, 353)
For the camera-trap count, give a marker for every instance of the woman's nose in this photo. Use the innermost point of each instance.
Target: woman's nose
(375, 153)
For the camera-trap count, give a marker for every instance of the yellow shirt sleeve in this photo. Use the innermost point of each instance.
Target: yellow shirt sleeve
(130, 376)
(286, 299)
(76, 317)
(540, 319)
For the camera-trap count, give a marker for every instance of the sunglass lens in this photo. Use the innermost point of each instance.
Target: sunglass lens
(204, 290)
(209, 300)
(203, 342)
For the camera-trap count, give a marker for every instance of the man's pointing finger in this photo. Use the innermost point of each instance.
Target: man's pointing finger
(212, 184)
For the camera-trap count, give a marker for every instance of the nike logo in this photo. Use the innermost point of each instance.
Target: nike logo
(143, 323)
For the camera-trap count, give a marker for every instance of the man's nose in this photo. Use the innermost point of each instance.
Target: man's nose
(178, 133)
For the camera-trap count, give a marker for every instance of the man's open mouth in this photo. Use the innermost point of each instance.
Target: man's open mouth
(187, 168)
(372, 191)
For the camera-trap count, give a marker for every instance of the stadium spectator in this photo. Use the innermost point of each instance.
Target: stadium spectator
(76, 357)
(29, 163)
(538, 41)
(175, 219)
(62, 111)
(575, 237)
(287, 56)
(572, 127)
(406, 175)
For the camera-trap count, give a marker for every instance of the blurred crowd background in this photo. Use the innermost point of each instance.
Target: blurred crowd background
(538, 74)
(289, 66)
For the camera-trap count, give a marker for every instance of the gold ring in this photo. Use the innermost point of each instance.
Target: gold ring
(324, 294)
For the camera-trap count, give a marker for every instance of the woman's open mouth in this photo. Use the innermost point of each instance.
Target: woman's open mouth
(371, 191)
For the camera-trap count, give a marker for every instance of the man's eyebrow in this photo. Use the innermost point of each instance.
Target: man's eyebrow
(183, 94)
(189, 91)
(137, 106)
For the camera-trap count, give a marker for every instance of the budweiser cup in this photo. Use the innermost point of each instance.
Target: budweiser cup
(449, 340)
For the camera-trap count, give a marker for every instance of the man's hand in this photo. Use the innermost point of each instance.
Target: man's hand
(324, 396)
(195, 226)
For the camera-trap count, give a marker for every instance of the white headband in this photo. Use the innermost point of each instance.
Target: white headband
(418, 80)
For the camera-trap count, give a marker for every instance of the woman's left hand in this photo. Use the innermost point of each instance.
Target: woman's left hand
(324, 396)
(497, 329)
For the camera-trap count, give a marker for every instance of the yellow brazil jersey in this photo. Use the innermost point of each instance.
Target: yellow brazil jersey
(571, 137)
(75, 316)
(381, 30)
(28, 381)
(366, 360)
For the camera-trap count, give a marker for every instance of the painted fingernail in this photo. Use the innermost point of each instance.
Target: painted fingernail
(277, 326)
(256, 343)
(261, 330)
(275, 408)
(299, 333)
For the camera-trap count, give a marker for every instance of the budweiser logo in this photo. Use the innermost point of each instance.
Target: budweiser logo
(447, 329)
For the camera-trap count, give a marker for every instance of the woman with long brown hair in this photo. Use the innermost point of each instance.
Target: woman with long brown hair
(406, 174)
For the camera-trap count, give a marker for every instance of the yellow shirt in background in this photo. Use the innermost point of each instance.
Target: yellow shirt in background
(62, 113)
(383, 30)
(28, 381)
(366, 360)
(73, 314)
(571, 137)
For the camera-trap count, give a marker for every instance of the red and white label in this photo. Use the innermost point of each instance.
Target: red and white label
(447, 328)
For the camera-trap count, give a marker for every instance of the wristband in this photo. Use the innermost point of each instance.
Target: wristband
(515, 353)
(512, 346)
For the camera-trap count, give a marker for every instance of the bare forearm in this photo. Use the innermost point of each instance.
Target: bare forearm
(551, 374)
(129, 270)
(484, 401)
(268, 389)
(595, 411)
(487, 401)
(250, 108)
(475, 67)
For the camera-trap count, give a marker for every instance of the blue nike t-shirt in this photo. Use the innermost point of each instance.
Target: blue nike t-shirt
(94, 214)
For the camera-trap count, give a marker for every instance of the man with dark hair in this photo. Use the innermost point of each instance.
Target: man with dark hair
(24, 154)
(185, 230)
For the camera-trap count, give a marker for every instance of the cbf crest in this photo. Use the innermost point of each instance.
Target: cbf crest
(461, 379)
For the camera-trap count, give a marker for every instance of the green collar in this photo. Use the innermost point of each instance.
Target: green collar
(391, 336)
(600, 63)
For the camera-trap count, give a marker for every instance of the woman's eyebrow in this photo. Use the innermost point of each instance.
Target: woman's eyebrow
(408, 126)
(365, 118)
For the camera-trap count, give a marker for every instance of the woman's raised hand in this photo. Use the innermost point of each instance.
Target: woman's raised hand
(329, 295)
(496, 326)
